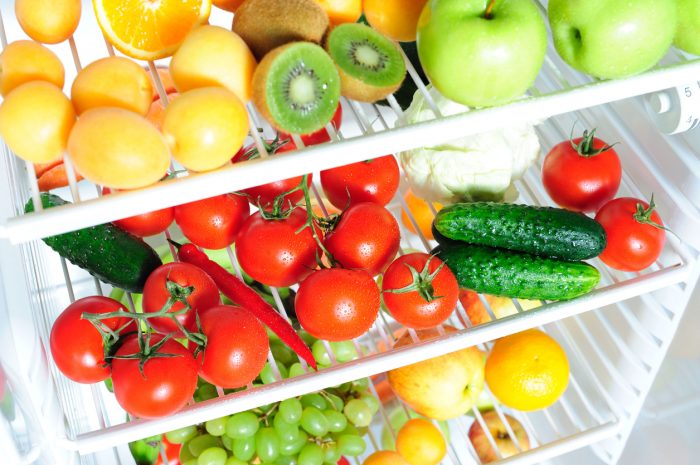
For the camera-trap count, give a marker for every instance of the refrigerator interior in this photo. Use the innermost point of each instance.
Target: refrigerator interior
(616, 338)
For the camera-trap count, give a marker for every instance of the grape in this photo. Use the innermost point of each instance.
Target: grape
(185, 453)
(285, 431)
(205, 392)
(343, 388)
(352, 445)
(267, 444)
(362, 383)
(358, 412)
(227, 442)
(267, 375)
(314, 422)
(201, 443)
(318, 349)
(314, 400)
(336, 421)
(190, 462)
(293, 448)
(282, 354)
(287, 460)
(336, 402)
(235, 461)
(311, 454)
(331, 454)
(244, 448)
(351, 429)
(372, 402)
(242, 425)
(344, 351)
(290, 410)
(296, 370)
(182, 435)
(216, 427)
(212, 456)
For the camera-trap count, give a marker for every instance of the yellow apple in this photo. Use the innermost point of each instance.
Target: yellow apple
(501, 437)
(501, 306)
(443, 387)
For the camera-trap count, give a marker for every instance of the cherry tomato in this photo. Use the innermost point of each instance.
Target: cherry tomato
(265, 195)
(77, 346)
(172, 452)
(277, 252)
(582, 174)
(634, 231)
(146, 224)
(164, 387)
(337, 304)
(237, 346)
(204, 294)
(375, 181)
(320, 136)
(214, 222)
(366, 238)
(429, 290)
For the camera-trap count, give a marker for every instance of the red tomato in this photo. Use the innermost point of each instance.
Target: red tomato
(320, 136)
(577, 178)
(214, 222)
(147, 224)
(77, 346)
(366, 237)
(266, 194)
(237, 346)
(164, 387)
(276, 252)
(155, 295)
(375, 181)
(634, 242)
(337, 304)
(172, 452)
(430, 296)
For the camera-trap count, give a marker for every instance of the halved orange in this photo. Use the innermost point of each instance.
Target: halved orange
(149, 29)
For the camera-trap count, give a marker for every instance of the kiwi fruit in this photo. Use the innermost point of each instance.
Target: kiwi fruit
(370, 65)
(267, 24)
(296, 87)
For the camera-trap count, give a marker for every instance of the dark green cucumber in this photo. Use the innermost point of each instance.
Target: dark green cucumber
(544, 231)
(105, 251)
(515, 274)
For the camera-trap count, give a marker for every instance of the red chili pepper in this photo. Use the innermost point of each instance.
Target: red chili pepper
(240, 293)
(343, 461)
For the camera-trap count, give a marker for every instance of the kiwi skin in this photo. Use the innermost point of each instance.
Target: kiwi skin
(260, 83)
(355, 89)
(266, 24)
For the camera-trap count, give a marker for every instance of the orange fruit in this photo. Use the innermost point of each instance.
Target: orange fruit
(35, 121)
(25, 60)
(214, 56)
(203, 127)
(342, 11)
(421, 213)
(385, 457)
(48, 21)
(527, 370)
(148, 29)
(420, 443)
(396, 19)
(112, 82)
(117, 148)
(228, 5)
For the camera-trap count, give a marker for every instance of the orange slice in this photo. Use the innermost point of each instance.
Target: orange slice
(149, 29)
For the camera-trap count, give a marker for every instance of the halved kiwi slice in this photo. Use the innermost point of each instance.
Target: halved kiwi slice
(297, 88)
(370, 65)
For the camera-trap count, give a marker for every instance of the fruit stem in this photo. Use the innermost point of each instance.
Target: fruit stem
(585, 147)
(489, 8)
(422, 282)
(643, 215)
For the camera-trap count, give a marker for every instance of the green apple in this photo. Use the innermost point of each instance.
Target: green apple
(477, 58)
(688, 31)
(612, 38)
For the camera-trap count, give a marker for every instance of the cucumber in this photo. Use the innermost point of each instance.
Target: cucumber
(515, 274)
(545, 231)
(105, 251)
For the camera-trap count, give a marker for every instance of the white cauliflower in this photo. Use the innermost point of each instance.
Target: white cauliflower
(478, 167)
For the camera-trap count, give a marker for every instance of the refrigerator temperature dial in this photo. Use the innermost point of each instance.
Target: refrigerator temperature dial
(675, 110)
